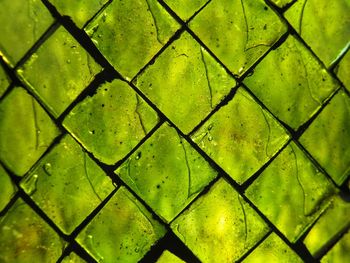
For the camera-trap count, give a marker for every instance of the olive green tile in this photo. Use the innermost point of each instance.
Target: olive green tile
(220, 226)
(195, 82)
(185, 8)
(328, 138)
(22, 23)
(111, 122)
(166, 172)
(59, 71)
(79, 11)
(340, 253)
(123, 231)
(67, 185)
(129, 33)
(343, 70)
(272, 249)
(241, 137)
(4, 81)
(333, 221)
(297, 89)
(238, 32)
(168, 257)
(26, 238)
(281, 3)
(323, 24)
(291, 192)
(73, 258)
(7, 188)
(26, 131)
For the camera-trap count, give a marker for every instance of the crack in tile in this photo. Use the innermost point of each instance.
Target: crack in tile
(139, 114)
(36, 125)
(302, 16)
(188, 167)
(269, 135)
(299, 181)
(207, 77)
(88, 178)
(155, 22)
(245, 220)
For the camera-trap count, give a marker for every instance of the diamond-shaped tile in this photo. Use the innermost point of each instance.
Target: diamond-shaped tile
(291, 192)
(297, 89)
(59, 71)
(273, 249)
(73, 258)
(111, 122)
(281, 3)
(25, 237)
(220, 226)
(79, 11)
(185, 8)
(4, 81)
(129, 33)
(22, 24)
(166, 172)
(7, 188)
(332, 222)
(342, 70)
(123, 231)
(185, 82)
(67, 172)
(328, 138)
(168, 257)
(26, 131)
(238, 32)
(323, 24)
(241, 137)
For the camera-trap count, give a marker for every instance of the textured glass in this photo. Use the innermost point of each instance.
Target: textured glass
(174, 131)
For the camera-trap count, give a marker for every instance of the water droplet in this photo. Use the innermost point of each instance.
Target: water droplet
(48, 168)
(68, 61)
(137, 249)
(138, 156)
(210, 138)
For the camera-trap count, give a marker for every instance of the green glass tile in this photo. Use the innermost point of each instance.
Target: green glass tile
(238, 32)
(67, 172)
(123, 231)
(79, 11)
(323, 24)
(73, 258)
(328, 138)
(22, 22)
(342, 70)
(59, 71)
(295, 91)
(241, 137)
(273, 249)
(195, 83)
(220, 226)
(293, 183)
(4, 81)
(333, 221)
(185, 8)
(340, 253)
(7, 188)
(26, 238)
(129, 33)
(166, 172)
(168, 257)
(111, 122)
(281, 3)
(26, 131)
